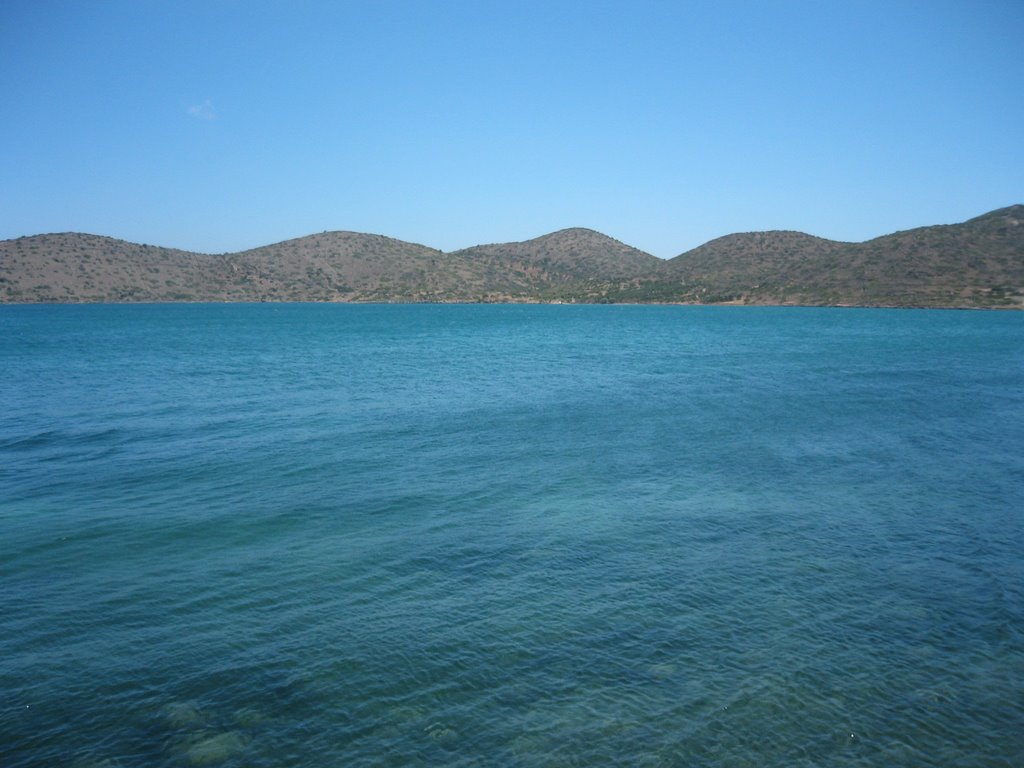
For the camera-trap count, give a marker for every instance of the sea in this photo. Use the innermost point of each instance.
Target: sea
(466, 535)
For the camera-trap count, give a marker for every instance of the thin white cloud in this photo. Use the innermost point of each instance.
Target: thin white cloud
(204, 111)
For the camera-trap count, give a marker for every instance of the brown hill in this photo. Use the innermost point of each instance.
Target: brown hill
(566, 256)
(71, 267)
(753, 262)
(979, 263)
(344, 266)
(348, 266)
(332, 266)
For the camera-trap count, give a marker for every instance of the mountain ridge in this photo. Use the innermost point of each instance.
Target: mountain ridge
(975, 263)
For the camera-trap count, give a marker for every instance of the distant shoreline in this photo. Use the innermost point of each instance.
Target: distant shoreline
(975, 264)
(724, 305)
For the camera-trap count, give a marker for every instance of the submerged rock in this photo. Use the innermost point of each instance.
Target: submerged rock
(440, 733)
(183, 714)
(247, 717)
(662, 671)
(216, 748)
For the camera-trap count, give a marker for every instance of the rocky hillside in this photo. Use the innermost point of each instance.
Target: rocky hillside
(77, 268)
(331, 266)
(566, 256)
(979, 263)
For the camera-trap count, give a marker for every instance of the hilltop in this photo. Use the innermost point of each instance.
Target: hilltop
(978, 263)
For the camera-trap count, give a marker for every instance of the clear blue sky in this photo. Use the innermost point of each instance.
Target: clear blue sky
(217, 126)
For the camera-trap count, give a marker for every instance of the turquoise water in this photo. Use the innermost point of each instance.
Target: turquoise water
(314, 535)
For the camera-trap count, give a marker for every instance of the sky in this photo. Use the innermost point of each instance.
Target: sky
(217, 126)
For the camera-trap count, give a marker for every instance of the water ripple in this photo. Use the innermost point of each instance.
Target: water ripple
(375, 536)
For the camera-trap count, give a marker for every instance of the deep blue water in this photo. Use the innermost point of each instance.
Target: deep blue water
(322, 535)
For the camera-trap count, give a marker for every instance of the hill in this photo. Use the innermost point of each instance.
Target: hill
(568, 255)
(332, 266)
(73, 267)
(978, 263)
